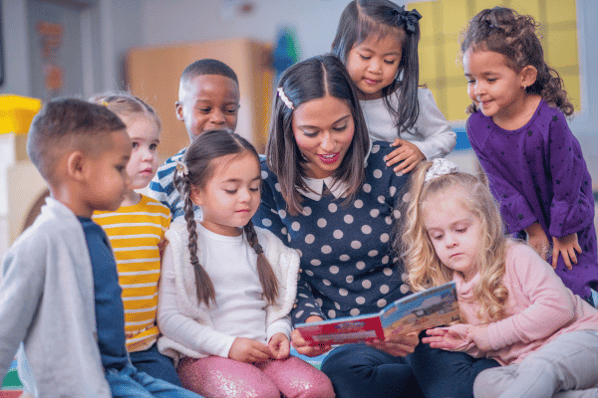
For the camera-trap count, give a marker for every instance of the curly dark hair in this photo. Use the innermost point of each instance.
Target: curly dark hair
(504, 31)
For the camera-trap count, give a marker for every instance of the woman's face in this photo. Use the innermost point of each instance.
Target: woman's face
(323, 129)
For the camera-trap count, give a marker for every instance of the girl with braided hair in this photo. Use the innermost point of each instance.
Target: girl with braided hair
(227, 286)
(519, 132)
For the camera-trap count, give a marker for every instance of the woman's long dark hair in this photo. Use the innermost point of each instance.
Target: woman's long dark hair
(312, 79)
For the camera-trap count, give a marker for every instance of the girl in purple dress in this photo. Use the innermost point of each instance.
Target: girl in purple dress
(520, 135)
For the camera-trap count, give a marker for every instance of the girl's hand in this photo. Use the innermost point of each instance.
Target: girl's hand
(537, 239)
(407, 153)
(397, 345)
(301, 345)
(279, 346)
(566, 246)
(445, 338)
(249, 351)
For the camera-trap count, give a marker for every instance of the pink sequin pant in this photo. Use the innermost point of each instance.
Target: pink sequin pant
(218, 377)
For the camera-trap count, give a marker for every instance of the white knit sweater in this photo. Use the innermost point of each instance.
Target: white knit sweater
(284, 262)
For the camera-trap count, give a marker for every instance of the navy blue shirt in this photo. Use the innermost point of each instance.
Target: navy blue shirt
(347, 265)
(110, 313)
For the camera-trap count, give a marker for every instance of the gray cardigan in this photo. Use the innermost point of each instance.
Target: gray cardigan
(47, 301)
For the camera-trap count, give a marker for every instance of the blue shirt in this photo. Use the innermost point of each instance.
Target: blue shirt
(110, 315)
(347, 265)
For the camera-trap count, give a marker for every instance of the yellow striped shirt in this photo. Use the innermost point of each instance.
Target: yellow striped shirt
(135, 233)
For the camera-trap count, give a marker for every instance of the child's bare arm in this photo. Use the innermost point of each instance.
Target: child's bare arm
(537, 239)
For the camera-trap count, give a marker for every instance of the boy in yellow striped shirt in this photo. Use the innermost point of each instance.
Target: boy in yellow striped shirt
(136, 233)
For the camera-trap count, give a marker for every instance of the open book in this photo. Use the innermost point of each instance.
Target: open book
(422, 310)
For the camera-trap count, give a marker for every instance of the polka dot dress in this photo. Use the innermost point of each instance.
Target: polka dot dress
(347, 265)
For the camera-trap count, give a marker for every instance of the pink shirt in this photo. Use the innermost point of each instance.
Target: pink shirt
(540, 308)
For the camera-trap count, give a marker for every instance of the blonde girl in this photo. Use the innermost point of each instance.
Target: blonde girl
(377, 40)
(514, 308)
(228, 287)
(519, 132)
(136, 232)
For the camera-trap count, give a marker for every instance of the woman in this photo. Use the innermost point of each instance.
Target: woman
(328, 193)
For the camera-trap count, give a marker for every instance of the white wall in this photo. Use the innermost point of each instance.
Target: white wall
(165, 22)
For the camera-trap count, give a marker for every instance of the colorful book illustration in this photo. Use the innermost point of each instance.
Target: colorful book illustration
(422, 310)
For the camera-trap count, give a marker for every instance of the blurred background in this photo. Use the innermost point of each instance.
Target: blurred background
(51, 48)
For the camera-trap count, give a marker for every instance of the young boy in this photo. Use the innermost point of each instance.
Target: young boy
(208, 100)
(59, 290)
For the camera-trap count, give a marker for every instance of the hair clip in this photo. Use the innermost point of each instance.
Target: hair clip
(181, 168)
(285, 99)
(104, 103)
(409, 18)
(440, 167)
(489, 24)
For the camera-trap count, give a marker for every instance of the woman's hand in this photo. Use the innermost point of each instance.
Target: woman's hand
(301, 345)
(537, 239)
(249, 351)
(397, 345)
(566, 246)
(279, 346)
(407, 153)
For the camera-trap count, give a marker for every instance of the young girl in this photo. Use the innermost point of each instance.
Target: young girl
(518, 130)
(228, 287)
(136, 232)
(377, 40)
(514, 308)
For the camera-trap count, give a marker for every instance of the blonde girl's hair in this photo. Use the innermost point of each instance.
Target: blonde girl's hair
(423, 266)
(126, 106)
(502, 30)
(199, 160)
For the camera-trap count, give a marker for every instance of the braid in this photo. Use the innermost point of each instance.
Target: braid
(267, 277)
(203, 284)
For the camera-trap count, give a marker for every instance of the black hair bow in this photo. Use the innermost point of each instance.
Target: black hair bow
(409, 18)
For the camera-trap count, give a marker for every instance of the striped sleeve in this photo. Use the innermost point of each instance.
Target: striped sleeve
(135, 233)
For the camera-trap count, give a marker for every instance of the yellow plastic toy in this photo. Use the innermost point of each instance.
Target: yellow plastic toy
(17, 112)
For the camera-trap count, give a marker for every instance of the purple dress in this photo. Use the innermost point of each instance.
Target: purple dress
(537, 173)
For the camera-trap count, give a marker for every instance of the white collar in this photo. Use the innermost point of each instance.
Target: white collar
(315, 186)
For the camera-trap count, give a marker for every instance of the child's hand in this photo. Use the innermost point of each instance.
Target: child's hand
(249, 351)
(537, 239)
(446, 338)
(301, 345)
(398, 345)
(407, 153)
(566, 246)
(279, 346)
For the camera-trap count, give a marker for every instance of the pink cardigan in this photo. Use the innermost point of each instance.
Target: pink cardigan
(540, 308)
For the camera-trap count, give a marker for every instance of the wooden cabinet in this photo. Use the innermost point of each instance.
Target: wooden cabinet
(153, 74)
